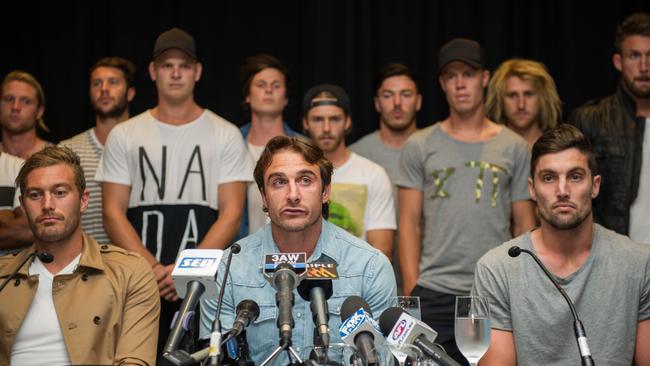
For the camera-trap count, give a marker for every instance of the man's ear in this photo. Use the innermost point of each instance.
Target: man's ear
(618, 62)
(531, 189)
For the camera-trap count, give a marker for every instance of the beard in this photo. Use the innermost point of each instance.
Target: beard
(115, 111)
(564, 222)
(638, 92)
(48, 234)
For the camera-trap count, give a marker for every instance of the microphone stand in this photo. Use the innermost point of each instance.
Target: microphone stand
(578, 328)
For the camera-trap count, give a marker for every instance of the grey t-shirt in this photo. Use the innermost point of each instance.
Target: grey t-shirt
(611, 292)
(371, 147)
(468, 189)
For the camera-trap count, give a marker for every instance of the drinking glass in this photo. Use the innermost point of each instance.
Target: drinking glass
(472, 327)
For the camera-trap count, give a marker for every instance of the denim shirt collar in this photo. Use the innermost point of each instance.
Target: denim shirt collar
(324, 246)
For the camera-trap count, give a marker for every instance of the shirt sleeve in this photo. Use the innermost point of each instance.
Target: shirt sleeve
(411, 166)
(490, 283)
(644, 305)
(381, 207)
(113, 166)
(236, 164)
(380, 288)
(519, 189)
(138, 338)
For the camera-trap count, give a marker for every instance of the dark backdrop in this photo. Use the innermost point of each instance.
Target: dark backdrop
(342, 42)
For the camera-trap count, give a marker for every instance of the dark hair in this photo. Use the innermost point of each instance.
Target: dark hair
(391, 70)
(127, 67)
(50, 156)
(310, 152)
(561, 138)
(254, 64)
(637, 24)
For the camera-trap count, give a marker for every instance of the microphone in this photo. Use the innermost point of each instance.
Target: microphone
(284, 280)
(359, 329)
(247, 312)
(317, 292)
(400, 328)
(43, 256)
(193, 277)
(580, 334)
(214, 351)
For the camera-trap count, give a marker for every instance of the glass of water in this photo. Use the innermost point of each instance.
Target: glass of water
(472, 327)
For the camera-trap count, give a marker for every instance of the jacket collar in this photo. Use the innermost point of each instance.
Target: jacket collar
(90, 257)
(627, 99)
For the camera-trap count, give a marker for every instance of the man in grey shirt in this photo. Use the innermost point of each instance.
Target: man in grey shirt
(462, 182)
(397, 100)
(605, 274)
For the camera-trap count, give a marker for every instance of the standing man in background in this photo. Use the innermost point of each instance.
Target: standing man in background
(173, 177)
(111, 91)
(265, 87)
(522, 96)
(616, 126)
(397, 100)
(462, 180)
(22, 105)
(361, 197)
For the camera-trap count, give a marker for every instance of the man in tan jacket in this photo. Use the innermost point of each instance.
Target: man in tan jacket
(91, 304)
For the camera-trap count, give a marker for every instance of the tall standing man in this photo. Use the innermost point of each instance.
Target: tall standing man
(362, 199)
(294, 178)
(22, 105)
(531, 322)
(173, 177)
(89, 304)
(464, 181)
(111, 91)
(397, 100)
(522, 96)
(265, 88)
(615, 125)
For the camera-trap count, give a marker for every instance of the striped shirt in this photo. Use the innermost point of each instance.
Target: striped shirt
(89, 149)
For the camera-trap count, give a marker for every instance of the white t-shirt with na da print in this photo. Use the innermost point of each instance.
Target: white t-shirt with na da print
(174, 172)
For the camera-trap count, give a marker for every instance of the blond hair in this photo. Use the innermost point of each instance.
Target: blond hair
(29, 79)
(550, 105)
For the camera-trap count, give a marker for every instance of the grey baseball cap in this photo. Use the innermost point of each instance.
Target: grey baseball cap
(175, 38)
(464, 50)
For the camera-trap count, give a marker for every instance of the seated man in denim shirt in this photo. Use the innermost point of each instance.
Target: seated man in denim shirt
(294, 179)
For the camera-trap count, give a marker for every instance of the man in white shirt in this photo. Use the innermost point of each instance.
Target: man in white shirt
(361, 197)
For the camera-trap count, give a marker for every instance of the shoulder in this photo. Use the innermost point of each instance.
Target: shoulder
(622, 245)
(592, 108)
(351, 249)
(498, 257)
(76, 140)
(8, 161)
(366, 143)
(118, 259)
(366, 164)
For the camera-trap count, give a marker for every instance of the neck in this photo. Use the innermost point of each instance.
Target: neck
(530, 134)
(564, 251)
(300, 241)
(642, 107)
(177, 112)
(264, 128)
(104, 125)
(64, 251)
(339, 156)
(470, 127)
(21, 145)
(393, 138)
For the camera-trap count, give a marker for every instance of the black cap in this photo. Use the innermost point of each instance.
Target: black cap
(340, 99)
(463, 50)
(175, 38)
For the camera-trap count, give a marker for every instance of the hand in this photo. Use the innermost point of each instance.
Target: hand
(166, 287)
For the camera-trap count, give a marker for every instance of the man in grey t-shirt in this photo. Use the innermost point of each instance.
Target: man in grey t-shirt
(462, 182)
(397, 100)
(605, 274)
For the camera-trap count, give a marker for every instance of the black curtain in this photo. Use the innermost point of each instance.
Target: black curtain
(342, 41)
